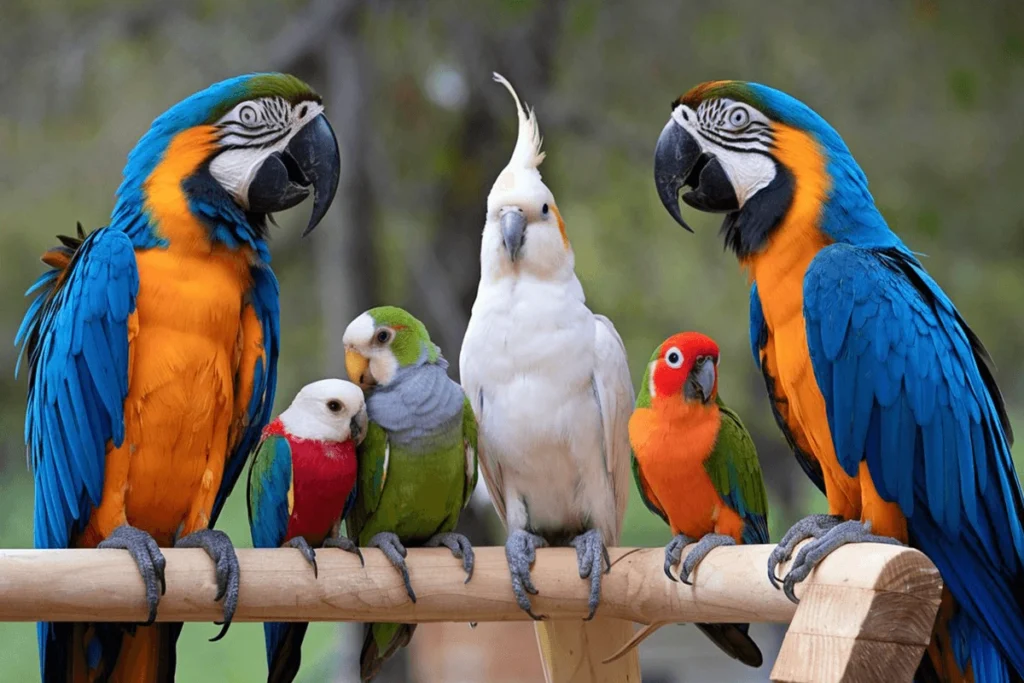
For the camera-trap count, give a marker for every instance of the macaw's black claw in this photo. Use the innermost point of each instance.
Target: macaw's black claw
(460, 547)
(700, 551)
(521, 552)
(220, 549)
(300, 544)
(674, 551)
(148, 559)
(817, 550)
(591, 556)
(812, 526)
(346, 544)
(393, 549)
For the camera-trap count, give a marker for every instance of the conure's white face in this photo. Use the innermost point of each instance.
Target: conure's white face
(250, 133)
(329, 410)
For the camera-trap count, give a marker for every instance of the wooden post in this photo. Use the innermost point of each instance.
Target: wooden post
(866, 609)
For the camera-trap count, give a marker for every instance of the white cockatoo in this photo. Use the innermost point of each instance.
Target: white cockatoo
(548, 381)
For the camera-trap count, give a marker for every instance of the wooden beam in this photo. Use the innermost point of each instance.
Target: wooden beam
(866, 609)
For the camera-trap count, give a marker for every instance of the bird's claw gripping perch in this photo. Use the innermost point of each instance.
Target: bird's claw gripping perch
(220, 549)
(348, 545)
(521, 552)
(704, 546)
(591, 555)
(300, 544)
(812, 526)
(148, 559)
(842, 533)
(393, 549)
(674, 551)
(459, 545)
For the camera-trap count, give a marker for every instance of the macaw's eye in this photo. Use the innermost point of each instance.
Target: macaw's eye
(334, 405)
(383, 336)
(738, 118)
(674, 358)
(247, 115)
(544, 209)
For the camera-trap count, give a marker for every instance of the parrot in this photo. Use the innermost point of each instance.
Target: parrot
(417, 463)
(301, 485)
(549, 383)
(696, 467)
(886, 396)
(152, 348)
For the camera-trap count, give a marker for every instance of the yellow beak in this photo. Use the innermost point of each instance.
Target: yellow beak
(358, 367)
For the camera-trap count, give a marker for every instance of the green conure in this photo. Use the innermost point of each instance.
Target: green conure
(417, 464)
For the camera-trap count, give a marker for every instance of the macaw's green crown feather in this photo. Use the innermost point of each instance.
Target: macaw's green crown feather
(255, 86)
(411, 336)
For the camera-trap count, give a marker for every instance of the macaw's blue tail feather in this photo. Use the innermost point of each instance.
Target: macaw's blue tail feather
(284, 650)
(107, 653)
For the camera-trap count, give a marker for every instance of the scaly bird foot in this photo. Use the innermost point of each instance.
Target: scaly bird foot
(708, 543)
(814, 552)
(812, 526)
(346, 544)
(460, 547)
(674, 551)
(299, 543)
(592, 558)
(520, 552)
(220, 549)
(148, 559)
(393, 549)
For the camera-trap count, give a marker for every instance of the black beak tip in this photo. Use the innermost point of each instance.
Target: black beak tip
(316, 151)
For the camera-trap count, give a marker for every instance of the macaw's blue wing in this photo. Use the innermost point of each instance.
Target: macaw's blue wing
(270, 480)
(76, 333)
(909, 388)
(258, 372)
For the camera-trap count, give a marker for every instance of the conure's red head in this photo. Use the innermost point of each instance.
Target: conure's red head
(685, 364)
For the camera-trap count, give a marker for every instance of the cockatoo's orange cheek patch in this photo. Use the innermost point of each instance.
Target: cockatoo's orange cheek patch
(561, 226)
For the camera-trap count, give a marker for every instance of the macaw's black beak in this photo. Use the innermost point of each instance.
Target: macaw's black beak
(679, 163)
(311, 160)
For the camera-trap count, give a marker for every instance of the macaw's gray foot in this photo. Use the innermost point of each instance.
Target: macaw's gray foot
(812, 526)
(814, 552)
(674, 551)
(395, 552)
(708, 543)
(346, 544)
(592, 558)
(521, 551)
(299, 543)
(148, 559)
(460, 547)
(220, 549)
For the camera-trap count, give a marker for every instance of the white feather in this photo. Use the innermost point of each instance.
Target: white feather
(310, 417)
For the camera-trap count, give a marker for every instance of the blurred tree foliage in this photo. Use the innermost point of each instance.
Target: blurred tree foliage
(929, 96)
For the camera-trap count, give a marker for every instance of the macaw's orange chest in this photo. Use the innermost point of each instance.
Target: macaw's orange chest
(182, 406)
(671, 442)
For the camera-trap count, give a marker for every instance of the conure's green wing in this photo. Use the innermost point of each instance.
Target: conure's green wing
(469, 442)
(270, 483)
(736, 474)
(374, 454)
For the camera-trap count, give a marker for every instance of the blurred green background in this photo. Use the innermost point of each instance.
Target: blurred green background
(929, 96)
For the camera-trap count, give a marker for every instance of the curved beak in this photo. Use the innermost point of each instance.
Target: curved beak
(358, 368)
(311, 160)
(678, 163)
(357, 426)
(513, 232)
(701, 384)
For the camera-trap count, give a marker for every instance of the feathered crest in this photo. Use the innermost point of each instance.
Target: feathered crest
(527, 153)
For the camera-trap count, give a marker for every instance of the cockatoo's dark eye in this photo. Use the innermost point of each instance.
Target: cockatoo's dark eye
(544, 209)
(674, 358)
(334, 405)
(383, 336)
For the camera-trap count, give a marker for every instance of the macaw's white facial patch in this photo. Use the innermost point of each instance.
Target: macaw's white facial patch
(251, 132)
(324, 410)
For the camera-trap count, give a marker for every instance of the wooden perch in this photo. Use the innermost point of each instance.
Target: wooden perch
(867, 610)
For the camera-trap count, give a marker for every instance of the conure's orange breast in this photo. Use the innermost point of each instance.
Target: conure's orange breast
(671, 441)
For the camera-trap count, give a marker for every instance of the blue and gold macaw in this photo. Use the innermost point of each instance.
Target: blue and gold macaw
(884, 393)
(152, 349)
